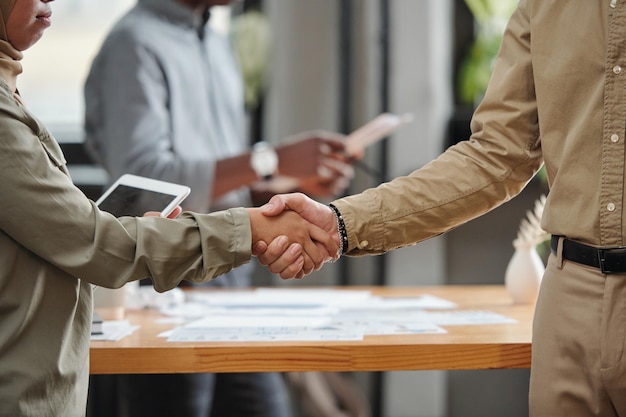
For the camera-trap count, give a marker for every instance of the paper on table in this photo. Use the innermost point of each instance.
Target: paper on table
(465, 317)
(282, 297)
(425, 301)
(284, 320)
(384, 327)
(113, 330)
(195, 310)
(262, 334)
(275, 314)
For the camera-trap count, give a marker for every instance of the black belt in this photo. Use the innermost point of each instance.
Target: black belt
(611, 260)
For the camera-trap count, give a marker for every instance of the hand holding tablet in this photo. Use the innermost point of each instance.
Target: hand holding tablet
(132, 195)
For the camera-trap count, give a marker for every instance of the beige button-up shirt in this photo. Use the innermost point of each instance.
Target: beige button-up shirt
(556, 96)
(54, 244)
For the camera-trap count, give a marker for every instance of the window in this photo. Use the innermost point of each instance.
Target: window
(56, 67)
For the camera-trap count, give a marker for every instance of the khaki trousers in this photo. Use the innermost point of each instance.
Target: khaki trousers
(578, 363)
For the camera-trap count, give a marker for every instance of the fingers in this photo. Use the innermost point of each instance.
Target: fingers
(328, 241)
(314, 256)
(333, 168)
(309, 263)
(318, 247)
(175, 213)
(276, 205)
(334, 178)
(334, 148)
(269, 254)
(297, 202)
(311, 210)
(259, 248)
(282, 258)
(316, 244)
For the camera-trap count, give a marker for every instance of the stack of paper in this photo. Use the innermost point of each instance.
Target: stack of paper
(278, 314)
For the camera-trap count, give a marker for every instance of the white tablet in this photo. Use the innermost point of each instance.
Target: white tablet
(132, 195)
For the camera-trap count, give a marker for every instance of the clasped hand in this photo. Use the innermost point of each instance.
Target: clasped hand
(301, 232)
(294, 235)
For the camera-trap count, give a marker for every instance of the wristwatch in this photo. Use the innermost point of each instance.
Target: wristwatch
(264, 160)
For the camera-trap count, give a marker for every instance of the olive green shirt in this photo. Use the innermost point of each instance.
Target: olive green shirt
(556, 95)
(55, 243)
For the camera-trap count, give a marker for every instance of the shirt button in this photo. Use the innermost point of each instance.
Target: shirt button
(617, 69)
(614, 138)
(610, 207)
(364, 243)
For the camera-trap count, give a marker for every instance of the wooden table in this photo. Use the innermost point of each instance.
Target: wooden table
(497, 346)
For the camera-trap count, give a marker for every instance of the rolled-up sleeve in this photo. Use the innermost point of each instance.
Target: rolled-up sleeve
(47, 215)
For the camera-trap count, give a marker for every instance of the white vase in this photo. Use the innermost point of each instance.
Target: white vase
(523, 274)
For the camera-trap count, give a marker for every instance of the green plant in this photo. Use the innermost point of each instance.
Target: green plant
(251, 37)
(490, 17)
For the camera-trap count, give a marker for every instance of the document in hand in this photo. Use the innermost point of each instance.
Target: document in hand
(378, 128)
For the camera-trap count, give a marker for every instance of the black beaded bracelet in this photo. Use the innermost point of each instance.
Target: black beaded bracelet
(341, 229)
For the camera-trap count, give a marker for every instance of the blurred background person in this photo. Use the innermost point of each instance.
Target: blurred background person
(165, 99)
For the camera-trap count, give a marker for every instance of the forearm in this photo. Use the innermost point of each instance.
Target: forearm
(231, 174)
(425, 204)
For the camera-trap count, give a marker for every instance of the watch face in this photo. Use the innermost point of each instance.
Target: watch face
(264, 160)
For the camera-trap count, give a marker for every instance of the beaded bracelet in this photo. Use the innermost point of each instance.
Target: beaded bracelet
(341, 229)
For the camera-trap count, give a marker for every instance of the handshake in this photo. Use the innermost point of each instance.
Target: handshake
(294, 235)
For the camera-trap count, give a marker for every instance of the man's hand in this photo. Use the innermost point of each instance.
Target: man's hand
(318, 160)
(274, 255)
(317, 213)
(175, 213)
(303, 155)
(289, 259)
(334, 177)
(316, 244)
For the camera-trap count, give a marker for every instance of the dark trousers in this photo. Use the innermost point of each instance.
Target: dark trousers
(190, 395)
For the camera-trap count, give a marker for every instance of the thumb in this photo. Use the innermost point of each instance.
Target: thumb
(280, 203)
(310, 210)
